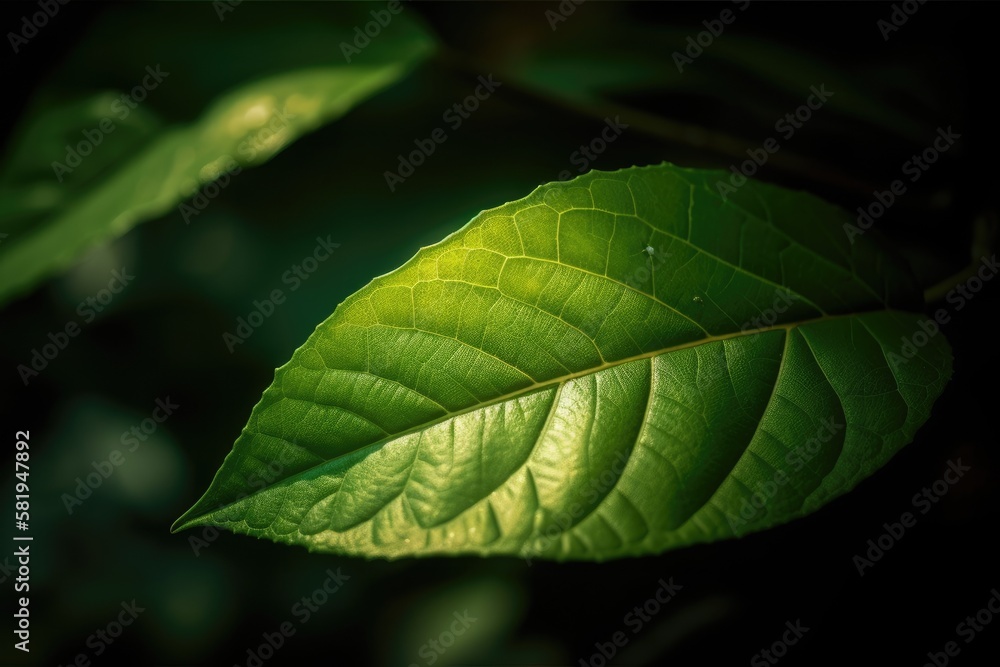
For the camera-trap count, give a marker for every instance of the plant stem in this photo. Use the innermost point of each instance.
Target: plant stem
(663, 128)
(984, 237)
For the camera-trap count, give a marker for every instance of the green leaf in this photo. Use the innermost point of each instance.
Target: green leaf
(536, 384)
(143, 167)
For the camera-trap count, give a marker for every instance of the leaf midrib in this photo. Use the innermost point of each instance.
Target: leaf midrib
(556, 381)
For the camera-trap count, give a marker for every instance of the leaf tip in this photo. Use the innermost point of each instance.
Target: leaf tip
(189, 519)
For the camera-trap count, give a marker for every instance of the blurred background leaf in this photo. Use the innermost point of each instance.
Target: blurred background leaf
(145, 167)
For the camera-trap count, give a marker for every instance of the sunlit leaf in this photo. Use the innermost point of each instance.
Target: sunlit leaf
(145, 166)
(611, 366)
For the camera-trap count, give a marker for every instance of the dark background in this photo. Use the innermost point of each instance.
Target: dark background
(162, 337)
